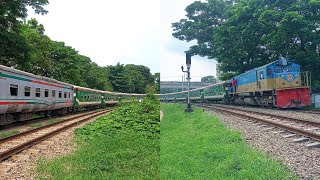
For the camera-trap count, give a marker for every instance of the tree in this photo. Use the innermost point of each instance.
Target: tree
(208, 79)
(117, 78)
(245, 34)
(37, 58)
(13, 48)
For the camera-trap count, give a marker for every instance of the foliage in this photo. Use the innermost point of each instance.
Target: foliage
(138, 117)
(245, 34)
(125, 155)
(117, 156)
(131, 78)
(13, 48)
(198, 146)
(227, 76)
(122, 145)
(208, 79)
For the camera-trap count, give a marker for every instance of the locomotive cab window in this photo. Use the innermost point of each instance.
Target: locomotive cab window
(60, 94)
(277, 69)
(53, 93)
(27, 91)
(38, 93)
(46, 93)
(287, 69)
(13, 90)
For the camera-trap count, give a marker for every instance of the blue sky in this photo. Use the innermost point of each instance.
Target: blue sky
(129, 32)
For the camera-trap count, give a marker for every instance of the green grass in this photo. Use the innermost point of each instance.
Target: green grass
(51, 121)
(8, 133)
(198, 146)
(122, 145)
(122, 156)
(35, 125)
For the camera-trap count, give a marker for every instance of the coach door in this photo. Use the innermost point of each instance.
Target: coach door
(258, 80)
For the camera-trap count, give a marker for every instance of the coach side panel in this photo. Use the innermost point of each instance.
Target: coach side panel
(25, 94)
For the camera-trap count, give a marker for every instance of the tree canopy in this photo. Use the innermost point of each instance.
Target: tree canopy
(208, 79)
(24, 45)
(244, 34)
(13, 48)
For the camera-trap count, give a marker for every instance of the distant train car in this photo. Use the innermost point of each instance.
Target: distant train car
(23, 94)
(277, 84)
(212, 93)
(86, 98)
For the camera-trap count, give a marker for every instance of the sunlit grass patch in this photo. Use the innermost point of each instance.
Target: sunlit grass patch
(198, 146)
(121, 145)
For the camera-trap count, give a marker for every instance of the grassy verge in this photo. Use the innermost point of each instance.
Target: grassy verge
(122, 145)
(198, 146)
(8, 133)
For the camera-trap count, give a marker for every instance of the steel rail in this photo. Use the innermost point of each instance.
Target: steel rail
(39, 119)
(3, 140)
(273, 116)
(8, 153)
(314, 136)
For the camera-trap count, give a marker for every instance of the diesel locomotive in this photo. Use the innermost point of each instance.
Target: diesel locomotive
(23, 95)
(278, 84)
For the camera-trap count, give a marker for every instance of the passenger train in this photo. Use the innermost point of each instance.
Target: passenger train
(23, 95)
(278, 84)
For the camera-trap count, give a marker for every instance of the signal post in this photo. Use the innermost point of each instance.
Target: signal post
(188, 63)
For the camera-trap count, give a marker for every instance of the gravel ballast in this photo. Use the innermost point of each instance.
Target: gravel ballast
(303, 161)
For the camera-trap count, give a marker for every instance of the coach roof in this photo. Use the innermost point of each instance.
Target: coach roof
(16, 71)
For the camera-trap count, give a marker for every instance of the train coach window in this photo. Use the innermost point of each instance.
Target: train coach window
(53, 93)
(13, 90)
(38, 93)
(60, 94)
(65, 95)
(27, 91)
(46, 93)
(69, 95)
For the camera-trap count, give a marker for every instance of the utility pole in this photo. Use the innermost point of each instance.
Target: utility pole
(188, 63)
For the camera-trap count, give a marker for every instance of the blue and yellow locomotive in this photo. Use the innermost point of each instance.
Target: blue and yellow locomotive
(278, 84)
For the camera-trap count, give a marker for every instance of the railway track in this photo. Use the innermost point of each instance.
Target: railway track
(39, 119)
(311, 111)
(19, 142)
(315, 112)
(306, 129)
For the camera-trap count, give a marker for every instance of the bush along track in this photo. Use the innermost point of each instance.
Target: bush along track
(198, 146)
(124, 144)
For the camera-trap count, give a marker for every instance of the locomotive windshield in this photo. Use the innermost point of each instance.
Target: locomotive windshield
(281, 69)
